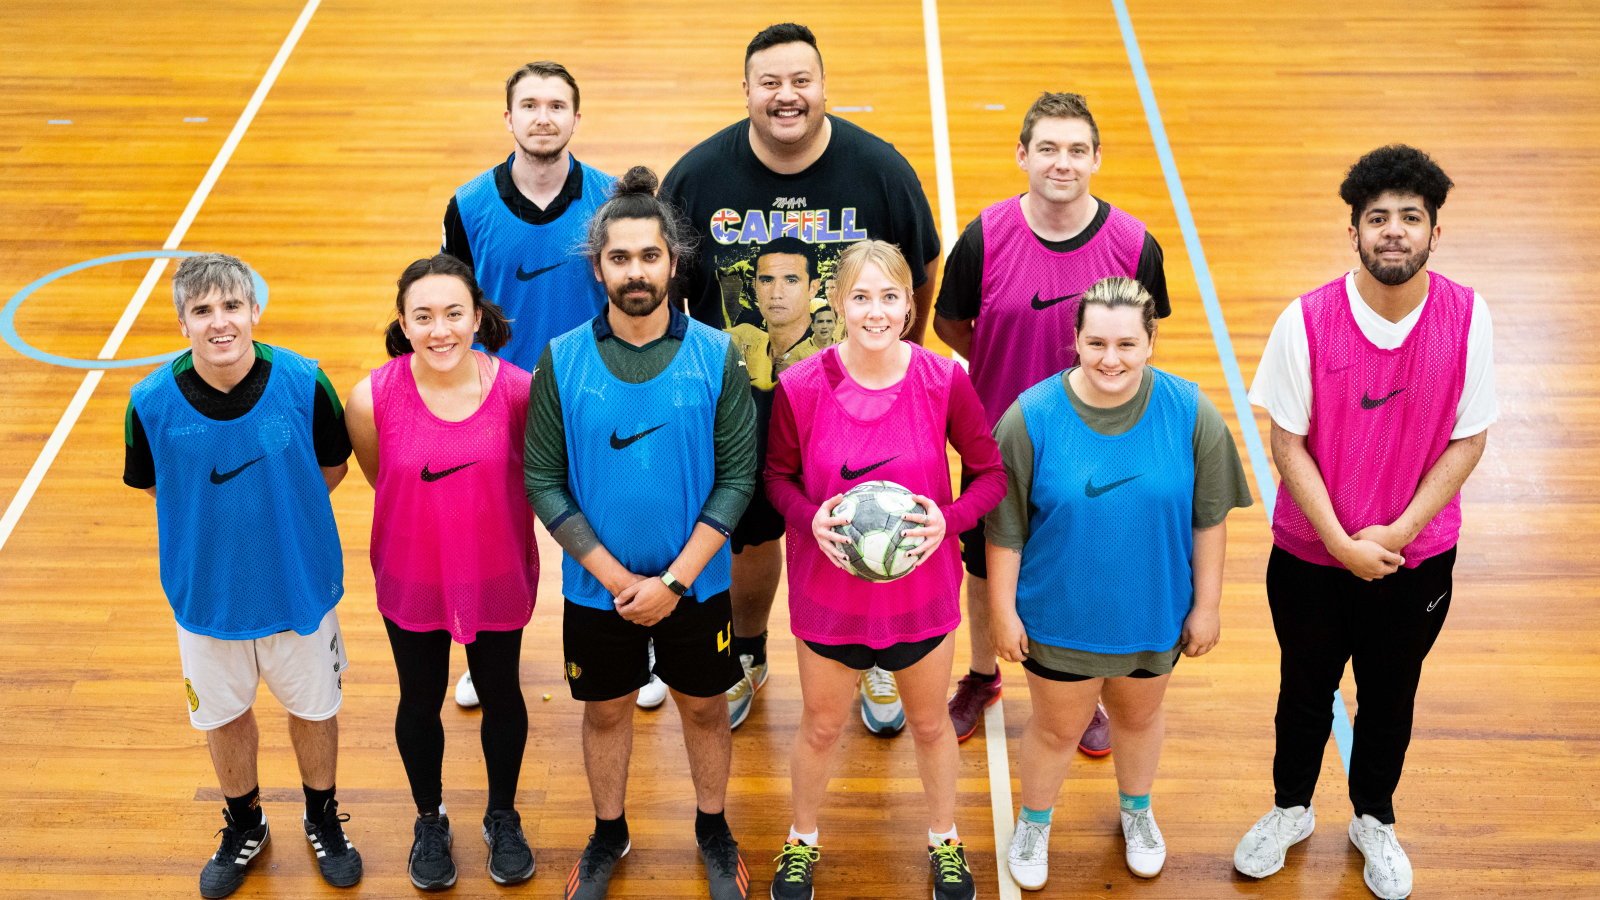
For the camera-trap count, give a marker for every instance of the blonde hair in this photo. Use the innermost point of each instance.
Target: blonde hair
(1120, 291)
(848, 271)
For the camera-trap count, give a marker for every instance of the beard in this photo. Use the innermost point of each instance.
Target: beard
(542, 155)
(1397, 273)
(634, 306)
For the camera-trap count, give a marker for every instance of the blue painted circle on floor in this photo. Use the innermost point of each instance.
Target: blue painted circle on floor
(8, 316)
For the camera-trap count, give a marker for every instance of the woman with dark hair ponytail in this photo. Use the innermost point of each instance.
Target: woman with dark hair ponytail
(438, 432)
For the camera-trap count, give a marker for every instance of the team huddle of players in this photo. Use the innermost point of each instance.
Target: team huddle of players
(681, 384)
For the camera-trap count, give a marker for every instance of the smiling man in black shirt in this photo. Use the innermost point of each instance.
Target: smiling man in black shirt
(789, 170)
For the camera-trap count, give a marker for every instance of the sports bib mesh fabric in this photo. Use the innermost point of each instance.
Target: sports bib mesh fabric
(452, 532)
(1024, 331)
(641, 458)
(248, 542)
(536, 273)
(1380, 419)
(905, 445)
(1107, 565)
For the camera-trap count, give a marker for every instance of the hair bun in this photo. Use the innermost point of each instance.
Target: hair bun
(639, 180)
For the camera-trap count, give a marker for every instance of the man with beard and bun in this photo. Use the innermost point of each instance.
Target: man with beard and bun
(1380, 385)
(516, 225)
(1007, 304)
(639, 457)
(790, 170)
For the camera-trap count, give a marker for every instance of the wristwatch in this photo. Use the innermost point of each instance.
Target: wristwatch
(673, 584)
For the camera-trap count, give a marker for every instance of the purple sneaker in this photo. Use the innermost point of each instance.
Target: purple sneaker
(973, 695)
(1096, 740)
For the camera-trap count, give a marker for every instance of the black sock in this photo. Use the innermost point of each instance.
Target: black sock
(316, 802)
(986, 679)
(755, 647)
(245, 811)
(710, 824)
(612, 831)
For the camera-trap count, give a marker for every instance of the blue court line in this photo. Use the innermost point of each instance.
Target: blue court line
(1342, 733)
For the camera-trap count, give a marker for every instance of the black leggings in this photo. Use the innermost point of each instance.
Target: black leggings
(422, 659)
(1325, 616)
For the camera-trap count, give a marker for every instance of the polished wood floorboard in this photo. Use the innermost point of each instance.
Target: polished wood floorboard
(384, 108)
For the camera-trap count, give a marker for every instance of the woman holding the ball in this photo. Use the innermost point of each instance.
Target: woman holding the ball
(875, 408)
(1105, 558)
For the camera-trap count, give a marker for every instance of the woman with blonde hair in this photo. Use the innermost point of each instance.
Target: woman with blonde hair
(1105, 559)
(875, 407)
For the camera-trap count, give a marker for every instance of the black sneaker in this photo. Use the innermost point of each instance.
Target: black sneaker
(725, 871)
(431, 867)
(510, 859)
(952, 880)
(592, 874)
(336, 856)
(793, 879)
(224, 871)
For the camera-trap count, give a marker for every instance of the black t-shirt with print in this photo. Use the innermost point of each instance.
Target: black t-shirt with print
(860, 187)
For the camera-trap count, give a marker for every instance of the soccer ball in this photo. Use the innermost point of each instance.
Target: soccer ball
(877, 527)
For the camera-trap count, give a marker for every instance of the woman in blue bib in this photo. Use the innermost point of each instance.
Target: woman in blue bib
(1105, 558)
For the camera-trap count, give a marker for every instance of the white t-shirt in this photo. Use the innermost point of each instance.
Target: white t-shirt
(1283, 382)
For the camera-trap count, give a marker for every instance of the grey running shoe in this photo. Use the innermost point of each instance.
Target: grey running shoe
(881, 710)
(336, 856)
(795, 865)
(725, 871)
(592, 874)
(224, 871)
(431, 867)
(510, 858)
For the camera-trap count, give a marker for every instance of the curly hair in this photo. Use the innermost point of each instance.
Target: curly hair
(1397, 168)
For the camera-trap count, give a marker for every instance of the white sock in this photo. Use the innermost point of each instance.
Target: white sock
(935, 840)
(810, 840)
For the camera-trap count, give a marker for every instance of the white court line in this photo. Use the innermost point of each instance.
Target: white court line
(994, 718)
(58, 437)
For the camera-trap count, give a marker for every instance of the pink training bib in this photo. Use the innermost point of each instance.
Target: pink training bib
(1380, 418)
(452, 532)
(906, 445)
(1025, 331)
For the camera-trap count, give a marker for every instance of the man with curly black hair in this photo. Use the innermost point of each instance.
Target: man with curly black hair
(1380, 385)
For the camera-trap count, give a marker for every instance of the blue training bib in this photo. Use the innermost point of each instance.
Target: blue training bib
(1107, 565)
(641, 458)
(538, 274)
(248, 543)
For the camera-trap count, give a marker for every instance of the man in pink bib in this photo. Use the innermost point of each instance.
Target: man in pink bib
(1380, 385)
(1007, 304)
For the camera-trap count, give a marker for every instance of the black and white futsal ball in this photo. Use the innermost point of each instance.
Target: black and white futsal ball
(877, 527)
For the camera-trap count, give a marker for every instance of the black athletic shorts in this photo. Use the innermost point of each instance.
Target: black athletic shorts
(609, 657)
(972, 544)
(1043, 671)
(892, 658)
(760, 523)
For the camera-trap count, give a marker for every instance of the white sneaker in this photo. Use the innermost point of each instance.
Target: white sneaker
(881, 711)
(1029, 856)
(1262, 849)
(1388, 869)
(653, 694)
(466, 694)
(1147, 852)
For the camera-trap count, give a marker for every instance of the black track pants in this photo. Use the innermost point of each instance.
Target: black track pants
(1325, 616)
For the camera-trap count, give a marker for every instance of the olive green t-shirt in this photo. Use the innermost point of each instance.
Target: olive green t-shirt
(1219, 479)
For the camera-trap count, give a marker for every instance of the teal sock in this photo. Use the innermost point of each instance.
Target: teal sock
(1134, 803)
(1037, 816)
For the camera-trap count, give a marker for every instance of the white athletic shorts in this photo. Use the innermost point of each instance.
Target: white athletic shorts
(305, 673)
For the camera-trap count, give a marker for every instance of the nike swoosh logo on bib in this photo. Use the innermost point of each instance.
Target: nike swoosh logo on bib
(1332, 371)
(849, 474)
(1369, 403)
(435, 476)
(1036, 303)
(619, 443)
(1089, 490)
(529, 276)
(220, 478)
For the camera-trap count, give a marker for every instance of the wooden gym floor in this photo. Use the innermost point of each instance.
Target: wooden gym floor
(384, 108)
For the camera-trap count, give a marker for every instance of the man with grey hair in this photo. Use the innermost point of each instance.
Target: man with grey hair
(239, 443)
